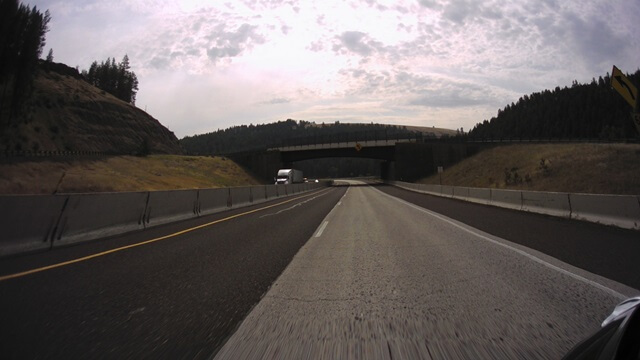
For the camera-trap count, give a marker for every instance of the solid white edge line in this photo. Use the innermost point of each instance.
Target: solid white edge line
(321, 229)
(521, 252)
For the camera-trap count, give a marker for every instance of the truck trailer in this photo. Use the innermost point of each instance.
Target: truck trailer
(289, 176)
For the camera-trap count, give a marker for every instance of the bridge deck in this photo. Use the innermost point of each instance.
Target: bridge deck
(343, 145)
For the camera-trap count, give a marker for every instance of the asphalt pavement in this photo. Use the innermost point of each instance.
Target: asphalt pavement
(346, 272)
(604, 250)
(383, 278)
(178, 297)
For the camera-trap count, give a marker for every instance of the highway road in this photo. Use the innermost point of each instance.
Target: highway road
(383, 278)
(345, 272)
(179, 293)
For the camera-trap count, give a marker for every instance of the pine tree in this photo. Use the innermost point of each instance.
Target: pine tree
(22, 38)
(116, 79)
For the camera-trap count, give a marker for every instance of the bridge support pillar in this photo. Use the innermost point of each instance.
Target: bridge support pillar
(388, 170)
(413, 161)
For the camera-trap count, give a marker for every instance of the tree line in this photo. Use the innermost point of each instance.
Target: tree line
(582, 111)
(22, 38)
(116, 79)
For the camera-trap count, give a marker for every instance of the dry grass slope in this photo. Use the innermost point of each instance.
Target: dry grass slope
(120, 173)
(578, 168)
(66, 113)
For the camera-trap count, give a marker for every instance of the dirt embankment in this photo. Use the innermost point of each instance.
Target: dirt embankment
(120, 173)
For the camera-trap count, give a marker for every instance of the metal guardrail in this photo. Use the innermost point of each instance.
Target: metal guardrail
(51, 153)
(313, 144)
(468, 139)
(35, 154)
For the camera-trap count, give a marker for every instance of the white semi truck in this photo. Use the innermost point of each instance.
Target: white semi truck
(289, 176)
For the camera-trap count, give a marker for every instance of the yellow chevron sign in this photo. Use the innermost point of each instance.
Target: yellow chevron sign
(624, 86)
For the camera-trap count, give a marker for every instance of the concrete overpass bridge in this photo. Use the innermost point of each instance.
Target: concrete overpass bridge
(407, 159)
(372, 149)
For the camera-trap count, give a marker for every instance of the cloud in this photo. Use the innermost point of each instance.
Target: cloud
(430, 4)
(276, 101)
(594, 39)
(159, 62)
(407, 88)
(462, 12)
(316, 46)
(233, 43)
(204, 64)
(357, 42)
(458, 11)
(445, 100)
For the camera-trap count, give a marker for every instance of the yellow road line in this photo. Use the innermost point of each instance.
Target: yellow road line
(88, 257)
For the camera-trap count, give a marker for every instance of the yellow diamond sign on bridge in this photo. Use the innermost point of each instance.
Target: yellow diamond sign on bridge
(624, 86)
(358, 147)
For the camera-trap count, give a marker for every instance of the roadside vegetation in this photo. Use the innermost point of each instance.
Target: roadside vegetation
(583, 111)
(577, 168)
(120, 173)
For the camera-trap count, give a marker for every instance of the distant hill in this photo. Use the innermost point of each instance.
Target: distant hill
(260, 137)
(582, 111)
(65, 113)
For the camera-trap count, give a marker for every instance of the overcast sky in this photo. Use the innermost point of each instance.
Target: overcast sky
(208, 65)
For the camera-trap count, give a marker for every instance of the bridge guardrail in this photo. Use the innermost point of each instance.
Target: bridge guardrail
(381, 136)
(32, 223)
(617, 210)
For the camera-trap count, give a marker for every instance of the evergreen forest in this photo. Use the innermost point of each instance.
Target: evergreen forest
(22, 38)
(582, 111)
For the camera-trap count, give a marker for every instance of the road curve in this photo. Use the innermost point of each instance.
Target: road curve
(383, 278)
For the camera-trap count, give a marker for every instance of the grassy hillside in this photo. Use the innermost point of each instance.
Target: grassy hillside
(579, 168)
(65, 113)
(120, 173)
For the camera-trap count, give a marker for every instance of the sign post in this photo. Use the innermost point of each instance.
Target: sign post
(636, 120)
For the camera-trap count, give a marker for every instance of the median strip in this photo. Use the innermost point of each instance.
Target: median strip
(146, 242)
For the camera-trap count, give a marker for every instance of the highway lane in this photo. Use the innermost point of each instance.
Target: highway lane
(384, 278)
(604, 250)
(178, 296)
